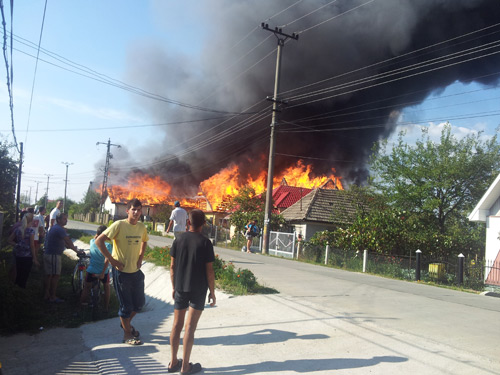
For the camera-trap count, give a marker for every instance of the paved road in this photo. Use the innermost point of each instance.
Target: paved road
(323, 321)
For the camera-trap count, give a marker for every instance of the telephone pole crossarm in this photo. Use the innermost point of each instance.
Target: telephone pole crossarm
(279, 31)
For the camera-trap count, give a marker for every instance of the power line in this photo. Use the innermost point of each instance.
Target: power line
(89, 73)
(334, 17)
(34, 73)
(399, 57)
(359, 82)
(133, 126)
(10, 74)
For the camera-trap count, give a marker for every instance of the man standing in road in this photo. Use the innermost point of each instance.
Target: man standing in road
(54, 213)
(56, 241)
(130, 239)
(178, 219)
(192, 274)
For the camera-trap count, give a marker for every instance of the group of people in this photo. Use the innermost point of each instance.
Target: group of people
(191, 272)
(26, 237)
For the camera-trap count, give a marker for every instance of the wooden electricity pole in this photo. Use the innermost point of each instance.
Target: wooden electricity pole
(106, 173)
(282, 37)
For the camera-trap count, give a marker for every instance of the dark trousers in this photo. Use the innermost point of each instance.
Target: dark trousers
(23, 268)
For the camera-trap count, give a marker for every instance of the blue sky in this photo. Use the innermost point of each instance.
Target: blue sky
(68, 110)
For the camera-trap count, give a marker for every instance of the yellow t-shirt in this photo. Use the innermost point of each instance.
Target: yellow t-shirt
(127, 241)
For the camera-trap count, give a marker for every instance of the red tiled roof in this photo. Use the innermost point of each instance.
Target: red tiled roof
(284, 196)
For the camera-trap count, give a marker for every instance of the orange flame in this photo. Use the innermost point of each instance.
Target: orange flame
(226, 183)
(150, 190)
(218, 189)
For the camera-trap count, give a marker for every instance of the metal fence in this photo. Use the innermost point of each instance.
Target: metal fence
(439, 270)
(282, 244)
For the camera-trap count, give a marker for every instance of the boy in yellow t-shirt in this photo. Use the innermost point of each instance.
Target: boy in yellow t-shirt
(130, 239)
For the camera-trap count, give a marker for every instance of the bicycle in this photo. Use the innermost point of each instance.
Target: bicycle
(78, 279)
(95, 293)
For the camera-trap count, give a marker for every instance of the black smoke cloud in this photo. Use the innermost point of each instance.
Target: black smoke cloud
(356, 42)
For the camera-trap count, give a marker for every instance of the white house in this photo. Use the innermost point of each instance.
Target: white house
(488, 210)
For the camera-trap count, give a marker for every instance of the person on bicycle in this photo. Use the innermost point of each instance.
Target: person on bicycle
(97, 269)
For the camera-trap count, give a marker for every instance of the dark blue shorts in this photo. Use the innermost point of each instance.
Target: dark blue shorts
(194, 299)
(129, 289)
(91, 278)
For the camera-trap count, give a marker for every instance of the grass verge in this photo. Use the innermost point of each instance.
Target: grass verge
(227, 277)
(24, 310)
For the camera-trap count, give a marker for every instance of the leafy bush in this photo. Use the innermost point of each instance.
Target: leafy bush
(227, 277)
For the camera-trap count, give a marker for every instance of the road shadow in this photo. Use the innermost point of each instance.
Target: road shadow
(264, 336)
(305, 366)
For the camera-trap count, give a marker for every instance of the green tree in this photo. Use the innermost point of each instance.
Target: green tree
(8, 182)
(162, 214)
(248, 206)
(440, 181)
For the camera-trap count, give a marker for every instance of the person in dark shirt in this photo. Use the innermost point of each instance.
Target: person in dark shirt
(192, 275)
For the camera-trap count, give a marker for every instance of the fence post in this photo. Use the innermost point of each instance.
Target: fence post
(215, 236)
(365, 258)
(461, 260)
(326, 253)
(417, 267)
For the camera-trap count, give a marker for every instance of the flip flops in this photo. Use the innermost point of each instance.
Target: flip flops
(177, 367)
(132, 341)
(135, 333)
(193, 370)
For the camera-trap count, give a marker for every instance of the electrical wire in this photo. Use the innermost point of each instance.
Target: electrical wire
(335, 17)
(91, 74)
(388, 81)
(9, 75)
(34, 73)
(399, 57)
(405, 69)
(308, 14)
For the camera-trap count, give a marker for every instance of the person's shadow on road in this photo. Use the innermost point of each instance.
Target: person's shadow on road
(304, 365)
(264, 336)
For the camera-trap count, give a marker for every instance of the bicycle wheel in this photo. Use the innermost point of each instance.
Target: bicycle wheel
(74, 279)
(81, 280)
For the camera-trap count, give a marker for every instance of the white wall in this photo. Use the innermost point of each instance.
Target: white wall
(492, 241)
(110, 207)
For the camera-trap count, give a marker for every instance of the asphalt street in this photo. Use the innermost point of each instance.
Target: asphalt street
(323, 321)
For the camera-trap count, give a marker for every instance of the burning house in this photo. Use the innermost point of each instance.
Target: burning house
(347, 82)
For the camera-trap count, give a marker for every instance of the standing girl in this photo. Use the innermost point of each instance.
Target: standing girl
(23, 240)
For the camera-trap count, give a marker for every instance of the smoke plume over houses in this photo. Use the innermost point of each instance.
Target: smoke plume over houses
(356, 65)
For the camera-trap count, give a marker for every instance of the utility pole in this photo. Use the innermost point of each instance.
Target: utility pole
(36, 191)
(106, 171)
(47, 191)
(18, 203)
(282, 37)
(65, 184)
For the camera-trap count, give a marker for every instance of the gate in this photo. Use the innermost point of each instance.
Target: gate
(282, 244)
(493, 272)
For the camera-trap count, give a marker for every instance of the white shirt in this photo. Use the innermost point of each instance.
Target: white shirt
(179, 216)
(54, 213)
(38, 221)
